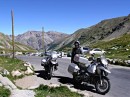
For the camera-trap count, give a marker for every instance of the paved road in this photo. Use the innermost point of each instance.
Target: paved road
(120, 77)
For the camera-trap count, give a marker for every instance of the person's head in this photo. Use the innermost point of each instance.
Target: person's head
(77, 44)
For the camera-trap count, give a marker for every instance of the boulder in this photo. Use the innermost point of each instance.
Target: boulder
(128, 61)
(33, 87)
(29, 71)
(27, 64)
(16, 73)
(6, 72)
(109, 60)
(22, 93)
(1, 69)
(1, 85)
(54, 85)
(7, 83)
(115, 60)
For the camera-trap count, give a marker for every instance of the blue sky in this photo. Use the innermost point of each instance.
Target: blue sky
(58, 15)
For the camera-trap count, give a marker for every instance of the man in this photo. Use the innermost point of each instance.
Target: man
(76, 50)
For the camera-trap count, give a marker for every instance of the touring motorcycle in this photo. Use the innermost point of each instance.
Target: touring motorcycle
(50, 64)
(91, 71)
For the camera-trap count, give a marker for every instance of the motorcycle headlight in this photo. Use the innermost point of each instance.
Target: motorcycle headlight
(43, 60)
(54, 56)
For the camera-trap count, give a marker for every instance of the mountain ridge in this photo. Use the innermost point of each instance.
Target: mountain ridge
(6, 44)
(34, 38)
(103, 31)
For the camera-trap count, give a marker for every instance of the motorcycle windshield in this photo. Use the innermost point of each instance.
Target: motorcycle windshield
(104, 60)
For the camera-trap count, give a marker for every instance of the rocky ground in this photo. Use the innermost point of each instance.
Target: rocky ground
(27, 84)
(15, 92)
(22, 93)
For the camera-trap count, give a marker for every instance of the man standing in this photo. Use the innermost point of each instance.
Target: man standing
(75, 51)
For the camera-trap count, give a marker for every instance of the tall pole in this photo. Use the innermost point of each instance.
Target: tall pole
(43, 38)
(12, 16)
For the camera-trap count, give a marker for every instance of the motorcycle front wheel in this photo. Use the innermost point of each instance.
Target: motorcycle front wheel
(103, 86)
(50, 73)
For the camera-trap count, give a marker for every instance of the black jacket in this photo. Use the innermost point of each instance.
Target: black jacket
(74, 52)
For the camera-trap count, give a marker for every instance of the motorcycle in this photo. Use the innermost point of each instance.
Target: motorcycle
(91, 71)
(50, 64)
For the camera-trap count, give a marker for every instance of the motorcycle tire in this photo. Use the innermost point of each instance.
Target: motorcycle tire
(50, 73)
(105, 86)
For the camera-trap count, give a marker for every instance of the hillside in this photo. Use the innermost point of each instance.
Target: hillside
(105, 31)
(34, 38)
(116, 48)
(6, 44)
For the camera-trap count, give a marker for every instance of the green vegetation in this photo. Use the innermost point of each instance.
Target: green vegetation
(118, 48)
(67, 48)
(12, 64)
(62, 91)
(120, 62)
(4, 92)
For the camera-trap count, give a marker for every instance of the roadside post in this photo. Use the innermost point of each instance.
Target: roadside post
(12, 17)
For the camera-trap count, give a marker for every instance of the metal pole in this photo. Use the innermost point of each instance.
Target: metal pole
(43, 38)
(12, 16)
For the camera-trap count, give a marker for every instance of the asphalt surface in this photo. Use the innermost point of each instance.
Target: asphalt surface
(119, 78)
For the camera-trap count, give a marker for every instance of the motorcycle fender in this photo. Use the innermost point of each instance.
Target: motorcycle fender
(102, 68)
(104, 77)
(53, 62)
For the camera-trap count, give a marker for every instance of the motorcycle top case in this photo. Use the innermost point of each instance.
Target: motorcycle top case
(73, 68)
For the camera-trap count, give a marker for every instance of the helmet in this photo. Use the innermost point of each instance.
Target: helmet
(76, 42)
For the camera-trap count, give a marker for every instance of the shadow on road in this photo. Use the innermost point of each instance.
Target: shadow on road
(42, 74)
(69, 81)
(64, 80)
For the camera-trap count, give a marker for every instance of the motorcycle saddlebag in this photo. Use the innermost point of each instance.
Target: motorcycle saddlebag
(73, 68)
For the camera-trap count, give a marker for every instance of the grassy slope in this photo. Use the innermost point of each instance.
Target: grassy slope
(62, 91)
(10, 65)
(116, 48)
(4, 92)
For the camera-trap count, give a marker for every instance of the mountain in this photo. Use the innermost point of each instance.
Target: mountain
(34, 38)
(6, 44)
(55, 36)
(104, 31)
